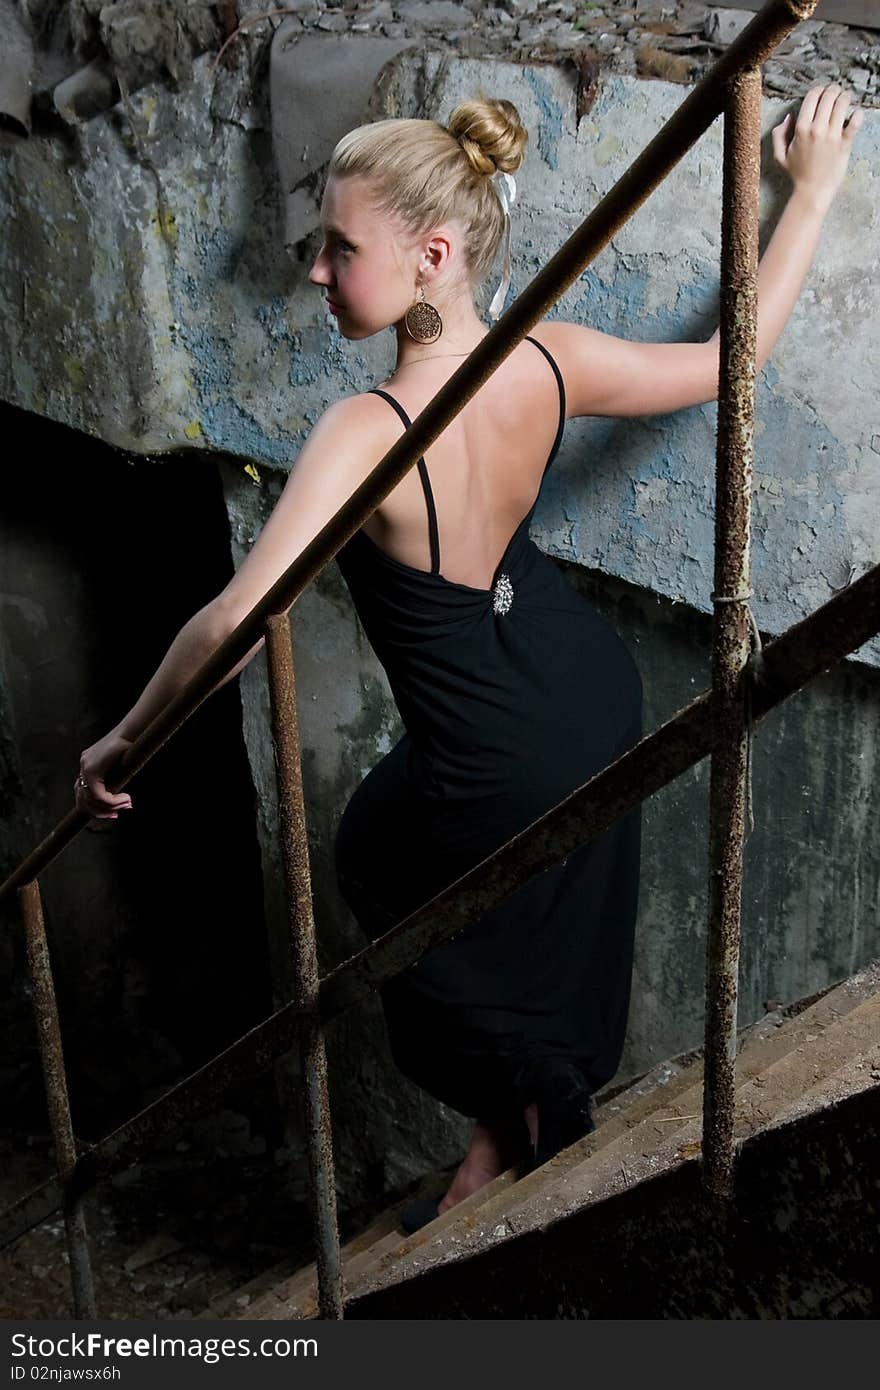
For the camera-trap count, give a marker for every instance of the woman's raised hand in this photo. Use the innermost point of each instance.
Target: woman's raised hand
(814, 149)
(94, 799)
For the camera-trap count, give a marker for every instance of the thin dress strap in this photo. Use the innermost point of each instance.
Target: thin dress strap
(433, 533)
(558, 440)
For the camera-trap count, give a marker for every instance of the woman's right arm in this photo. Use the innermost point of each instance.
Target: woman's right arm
(199, 637)
(196, 641)
(605, 375)
(345, 445)
(341, 451)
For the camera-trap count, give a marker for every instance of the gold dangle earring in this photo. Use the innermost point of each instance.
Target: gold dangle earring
(423, 321)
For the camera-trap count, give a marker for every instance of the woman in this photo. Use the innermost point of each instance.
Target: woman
(512, 689)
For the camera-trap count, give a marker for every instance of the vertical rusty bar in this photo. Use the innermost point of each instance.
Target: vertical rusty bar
(730, 630)
(295, 850)
(52, 1055)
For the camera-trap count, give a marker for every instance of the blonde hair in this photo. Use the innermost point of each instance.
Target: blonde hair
(426, 173)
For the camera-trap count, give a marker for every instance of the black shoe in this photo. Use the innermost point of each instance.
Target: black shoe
(418, 1213)
(563, 1101)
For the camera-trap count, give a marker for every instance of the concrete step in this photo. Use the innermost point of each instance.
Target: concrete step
(294, 1295)
(655, 1121)
(282, 1288)
(766, 1081)
(860, 1072)
(651, 1148)
(282, 1283)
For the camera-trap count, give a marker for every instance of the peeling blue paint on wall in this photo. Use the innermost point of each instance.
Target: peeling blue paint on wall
(618, 306)
(272, 317)
(643, 501)
(550, 125)
(784, 526)
(213, 356)
(218, 252)
(224, 422)
(189, 286)
(612, 95)
(232, 428)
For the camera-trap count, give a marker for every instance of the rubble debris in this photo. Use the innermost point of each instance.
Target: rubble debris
(142, 40)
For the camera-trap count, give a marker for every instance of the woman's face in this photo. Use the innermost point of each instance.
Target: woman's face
(366, 266)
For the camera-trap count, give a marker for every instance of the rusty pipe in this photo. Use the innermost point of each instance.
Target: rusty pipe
(310, 1035)
(731, 632)
(86, 92)
(52, 1056)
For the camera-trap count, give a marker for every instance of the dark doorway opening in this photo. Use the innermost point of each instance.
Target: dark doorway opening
(155, 920)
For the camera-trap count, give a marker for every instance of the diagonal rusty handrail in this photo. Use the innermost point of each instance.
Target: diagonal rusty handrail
(788, 663)
(669, 145)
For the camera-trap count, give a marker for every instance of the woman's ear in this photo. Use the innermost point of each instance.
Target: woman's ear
(438, 251)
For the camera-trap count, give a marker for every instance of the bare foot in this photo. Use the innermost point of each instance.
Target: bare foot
(493, 1149)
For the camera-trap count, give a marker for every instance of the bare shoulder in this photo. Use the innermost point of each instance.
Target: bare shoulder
(607, 375)
(566, 341)
(363, 426)
(345, 444)
(557, 337)
(360, 417)
(547, 332)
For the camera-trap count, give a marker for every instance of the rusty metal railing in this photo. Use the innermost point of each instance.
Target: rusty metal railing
(731, 634)
(720, 720)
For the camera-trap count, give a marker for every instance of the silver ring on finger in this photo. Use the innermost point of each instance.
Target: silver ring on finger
(81, 782)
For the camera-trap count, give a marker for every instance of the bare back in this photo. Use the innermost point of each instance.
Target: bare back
(484, 471)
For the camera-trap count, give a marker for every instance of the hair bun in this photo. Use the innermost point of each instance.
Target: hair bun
(490, 132)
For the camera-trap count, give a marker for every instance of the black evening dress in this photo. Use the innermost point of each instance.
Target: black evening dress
(510, 698)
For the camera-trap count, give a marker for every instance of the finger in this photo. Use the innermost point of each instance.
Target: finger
(838, 113)
(94, 806)
(778, 136)
(825, 106)
(105, 797)
(110, 803)
(854, 123)
(808, 110)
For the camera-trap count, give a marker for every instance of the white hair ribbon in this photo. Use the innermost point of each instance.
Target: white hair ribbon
(505, 187)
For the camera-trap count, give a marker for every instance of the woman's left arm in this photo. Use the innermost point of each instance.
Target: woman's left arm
(606, 375)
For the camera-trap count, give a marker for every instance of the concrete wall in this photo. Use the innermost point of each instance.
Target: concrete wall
(148, 301)
(639, 502)
(226, 346)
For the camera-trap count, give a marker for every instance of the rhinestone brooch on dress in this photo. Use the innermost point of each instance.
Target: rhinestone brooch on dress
(502, 594)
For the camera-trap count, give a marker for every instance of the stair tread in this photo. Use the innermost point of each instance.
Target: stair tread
(631, 1158)
(382, 1253)
(620, 1162)
(616, 1141)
